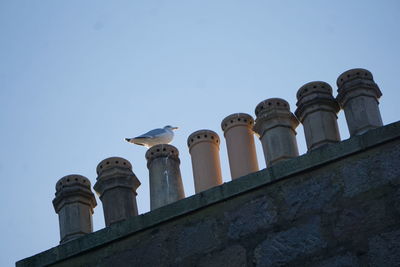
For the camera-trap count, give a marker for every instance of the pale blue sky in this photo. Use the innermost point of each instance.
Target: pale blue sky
(76, 77)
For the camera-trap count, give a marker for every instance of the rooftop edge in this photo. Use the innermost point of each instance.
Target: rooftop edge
(280, 171)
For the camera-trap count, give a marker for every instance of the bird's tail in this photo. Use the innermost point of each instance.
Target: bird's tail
(134, 141)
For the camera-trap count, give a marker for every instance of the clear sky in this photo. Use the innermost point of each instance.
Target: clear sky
(76, 77)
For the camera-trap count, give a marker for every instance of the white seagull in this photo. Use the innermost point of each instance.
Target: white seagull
(154, 137)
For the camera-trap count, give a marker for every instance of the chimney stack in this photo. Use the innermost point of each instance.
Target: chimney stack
(239, 138)
(116, 186)
(204, 150)
(276, 125)
(358, 95)
(74, 203)
(164, 174)
(316, 110)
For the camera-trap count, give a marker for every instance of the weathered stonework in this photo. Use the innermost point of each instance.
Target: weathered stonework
(116, 186)
(276, 125)
(295, 243)
(74, 203)
(334, 206)
(259, 213)
(316, 110)
(358, 95)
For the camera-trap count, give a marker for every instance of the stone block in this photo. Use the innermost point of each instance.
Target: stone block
(306, 196)
(279, 249)
(247, 219)
(361, 176)
(346, 260)
(150, 249)
(198, 238)
(233, 256)
(384, 249)
(357, 219)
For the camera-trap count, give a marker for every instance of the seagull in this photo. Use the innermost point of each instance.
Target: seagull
(154, 137)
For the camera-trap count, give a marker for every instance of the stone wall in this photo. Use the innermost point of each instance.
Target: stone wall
(338, 205)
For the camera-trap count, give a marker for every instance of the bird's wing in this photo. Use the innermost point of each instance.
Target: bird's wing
(152, 134)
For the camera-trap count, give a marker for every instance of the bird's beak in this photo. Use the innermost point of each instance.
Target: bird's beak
(175, 128)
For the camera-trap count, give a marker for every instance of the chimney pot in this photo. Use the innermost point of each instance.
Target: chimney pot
(116, 186)
(164, 174)
(204, 150)
(358, 95)
(74, 203)
(238, 132)
(276, 125)
(316, 110)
